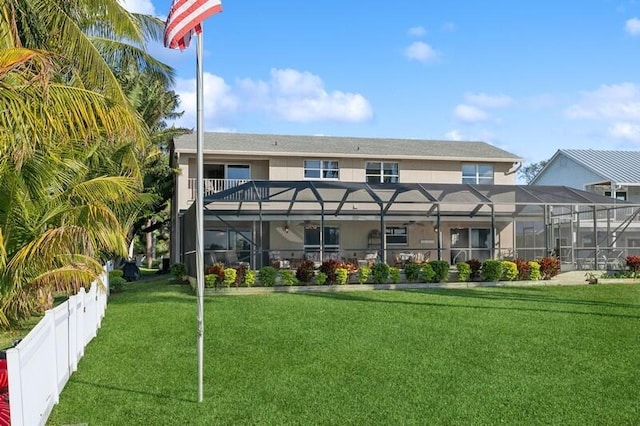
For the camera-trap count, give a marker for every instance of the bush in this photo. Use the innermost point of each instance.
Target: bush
(216, 269)
(306, 271)
(380, 273)
(534, 270)
(363, 274)
(394, 274)
(210, 280)
(115, 273)
(428, 274)
(241, 271)
(229, 277)
(475, 265)
(549, 267)
(524, 271)
(178, 270)
(412, 272)
(441, 270)
(288, 277)
(249, 278)
(267, 276)
(329, 267)
(321, 278)
(633, 263)
(509, 270)
(116, 284)
(491, 270)
(342, 275)
(464, 271)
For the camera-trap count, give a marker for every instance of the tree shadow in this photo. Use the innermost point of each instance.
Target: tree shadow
(346, 296)
(136, 391)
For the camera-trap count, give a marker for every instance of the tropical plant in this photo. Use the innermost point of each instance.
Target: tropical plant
(288, 277)
(427, 272)
(524, 270)
(321, 278)
(394, 274)
(229, 277)
(491, 270)
(633, 264)
(249, 278)
(380, 273)
(440, 269)
(363, 274)
(509, 270)
(211, 280)
(305, 271)
(534, 270)
(412, 271)
(475, 266)
(329, 267)
(464, 271)
(342, 275)
(267, 276)
(117, 284)
(549, 267)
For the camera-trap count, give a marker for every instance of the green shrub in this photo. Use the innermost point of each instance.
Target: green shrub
(380, 273)
(210, 280)
(491, 270)
(115, 273)
(464, 271)
(229, 277)
(509, 270)
(116, 284)
(288, 277)
(427, 272)
(249, 277)
(534, 270)
(178, 270)
(321, 278)
(549, 267)
(441, 270)
(216, 269)
(412, 272)
(267, 276)
(394, 274)
(306, 271)
(342, 275)
(363, 274)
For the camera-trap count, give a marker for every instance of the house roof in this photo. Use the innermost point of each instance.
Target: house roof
(620, 167)
(331, 146)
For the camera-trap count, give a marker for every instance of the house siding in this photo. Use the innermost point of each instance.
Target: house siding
(565, 171)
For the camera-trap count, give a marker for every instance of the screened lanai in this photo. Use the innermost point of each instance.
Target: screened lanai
(259, 221)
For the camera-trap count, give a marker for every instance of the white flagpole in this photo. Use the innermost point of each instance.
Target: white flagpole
(200, 213)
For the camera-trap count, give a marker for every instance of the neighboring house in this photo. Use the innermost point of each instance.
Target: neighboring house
(611, 173)
(284, 198)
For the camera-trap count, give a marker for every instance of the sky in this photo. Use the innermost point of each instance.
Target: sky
(530, 77)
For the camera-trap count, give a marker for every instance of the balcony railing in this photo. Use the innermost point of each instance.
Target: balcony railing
(211, 186)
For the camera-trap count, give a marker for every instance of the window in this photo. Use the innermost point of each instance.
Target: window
(620, 195)
(396, 235)
(321, 169)
(470, 243)
(380, 172)
(477, 173)
(331, 240)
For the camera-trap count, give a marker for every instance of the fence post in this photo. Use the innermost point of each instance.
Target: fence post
(14, 371)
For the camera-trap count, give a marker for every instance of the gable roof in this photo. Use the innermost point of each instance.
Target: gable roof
(331, 146)
(621, 167)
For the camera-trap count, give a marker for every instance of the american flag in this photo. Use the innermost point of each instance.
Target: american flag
(185, 17)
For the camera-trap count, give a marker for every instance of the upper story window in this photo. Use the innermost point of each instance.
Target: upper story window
(381, 172)
(477, 173)
(620, 195)
(321, 169)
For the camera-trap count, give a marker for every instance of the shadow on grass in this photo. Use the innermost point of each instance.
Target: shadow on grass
(475, 295)
(136, 391)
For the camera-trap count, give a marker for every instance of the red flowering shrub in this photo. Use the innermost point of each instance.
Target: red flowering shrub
(329, 268)
(475, 266)
(549, 267)
(524, 271)
(216, 269)
(633, 263)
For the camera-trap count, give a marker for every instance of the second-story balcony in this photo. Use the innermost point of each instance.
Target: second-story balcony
(211, 186)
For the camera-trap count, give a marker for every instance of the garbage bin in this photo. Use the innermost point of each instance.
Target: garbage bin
(130, 271)
(165, 264)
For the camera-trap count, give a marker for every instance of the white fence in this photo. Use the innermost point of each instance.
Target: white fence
(41, 364)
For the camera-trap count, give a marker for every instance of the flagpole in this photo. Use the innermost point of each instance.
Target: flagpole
(200, 213)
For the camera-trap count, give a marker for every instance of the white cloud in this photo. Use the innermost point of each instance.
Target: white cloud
(632, 26)
(417, 31)
(301, 97)
(627, 131)
(470, 113)
(139, 6)
(454, 135)
(421, 52)
(616, 102)
(219, 101)
(484, 100)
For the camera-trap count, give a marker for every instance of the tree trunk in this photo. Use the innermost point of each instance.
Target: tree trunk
(149, 236)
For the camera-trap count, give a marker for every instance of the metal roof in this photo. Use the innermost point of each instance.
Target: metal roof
(332, 146)
(620, 167)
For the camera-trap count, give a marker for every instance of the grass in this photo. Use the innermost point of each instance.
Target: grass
(543, 355)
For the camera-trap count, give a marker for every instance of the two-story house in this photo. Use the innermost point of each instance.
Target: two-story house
(282, 197)
(612, 173)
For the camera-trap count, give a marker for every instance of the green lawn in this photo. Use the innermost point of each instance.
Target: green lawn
(545, 355)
